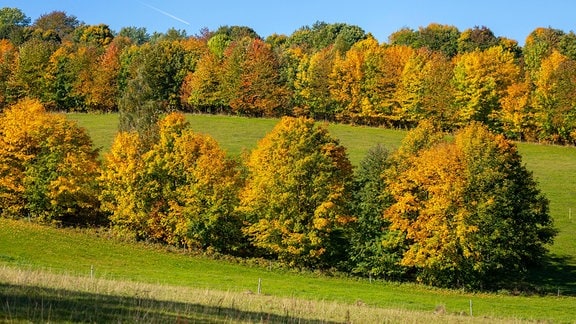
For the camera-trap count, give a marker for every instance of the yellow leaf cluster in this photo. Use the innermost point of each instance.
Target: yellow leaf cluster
(182, 191)
(47, 166)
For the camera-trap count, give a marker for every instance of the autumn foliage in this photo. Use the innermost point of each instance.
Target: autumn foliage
(470, 212)
(48, 167)
(452, 206)
(297, 192)
(334, 72)
(182, 191)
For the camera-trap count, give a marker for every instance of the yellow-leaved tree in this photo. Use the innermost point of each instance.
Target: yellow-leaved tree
(48, 168)
(481, 79)
(182, 191)
(311, 90)
(554, 99)
(425, 89)
(364, 82)
(297, 192)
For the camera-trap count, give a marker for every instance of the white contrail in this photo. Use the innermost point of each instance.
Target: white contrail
(165, 13)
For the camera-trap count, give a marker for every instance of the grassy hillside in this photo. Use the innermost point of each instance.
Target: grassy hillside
(72, 253)
(237, 134)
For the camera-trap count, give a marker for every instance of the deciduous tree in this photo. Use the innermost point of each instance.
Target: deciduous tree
(539, 45)
(518, 116)
(311, 86)
(8, 56)
(471, 212)
(554, 99)
(425, 89)
(477, 38)
(12, 25)
(101, 87)
(437, 37)
(58, 22)
(97, 35)
(297, 193)
(29, 78)
(365, 81)
(138, 35)
(182, 191)
(201, 89)
(480, 82)
(321, 35)
(48, 167)
(375, 250)
(252, 81)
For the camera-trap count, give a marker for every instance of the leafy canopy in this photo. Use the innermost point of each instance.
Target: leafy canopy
(296, 196)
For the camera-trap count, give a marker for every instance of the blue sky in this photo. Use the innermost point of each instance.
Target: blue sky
(510, 18)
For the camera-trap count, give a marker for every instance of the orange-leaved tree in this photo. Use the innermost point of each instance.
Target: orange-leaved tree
(471, 213)
(252, 82)
(296, 197)
(48, 168)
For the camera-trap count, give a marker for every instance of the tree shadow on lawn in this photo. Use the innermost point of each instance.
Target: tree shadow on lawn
(556, 276)
(37, 304)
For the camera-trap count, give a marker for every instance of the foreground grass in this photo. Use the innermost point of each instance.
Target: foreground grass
(39, 296)
(29, 246)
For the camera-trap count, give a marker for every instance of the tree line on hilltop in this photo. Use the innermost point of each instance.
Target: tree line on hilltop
(334, 72)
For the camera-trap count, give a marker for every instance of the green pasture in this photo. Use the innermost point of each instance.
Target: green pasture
(89, 254)
(238, 134)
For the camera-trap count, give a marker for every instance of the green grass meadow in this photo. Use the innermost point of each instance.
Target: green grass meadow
(38, 251)
(76, 253)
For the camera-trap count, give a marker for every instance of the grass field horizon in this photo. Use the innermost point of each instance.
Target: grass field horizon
(33, 247)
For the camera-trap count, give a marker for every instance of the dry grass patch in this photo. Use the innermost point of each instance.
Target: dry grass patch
(36, 295)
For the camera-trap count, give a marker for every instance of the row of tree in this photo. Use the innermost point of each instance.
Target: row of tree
(458, 213)
(325, 71)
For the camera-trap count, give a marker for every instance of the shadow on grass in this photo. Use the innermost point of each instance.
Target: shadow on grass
(36, 304)
(556, 276)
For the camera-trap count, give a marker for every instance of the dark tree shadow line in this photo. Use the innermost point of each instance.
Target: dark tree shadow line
(557, 276)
